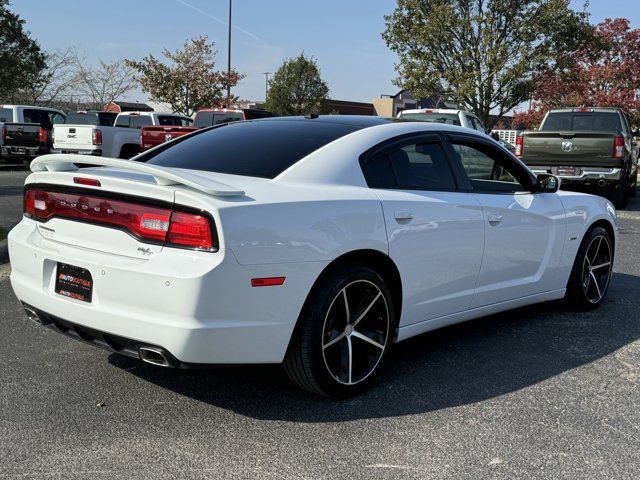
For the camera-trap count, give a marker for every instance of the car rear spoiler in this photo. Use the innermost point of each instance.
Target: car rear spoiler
(162, 175)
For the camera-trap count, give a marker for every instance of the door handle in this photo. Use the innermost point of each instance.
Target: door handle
(494, 219)
(400, 216)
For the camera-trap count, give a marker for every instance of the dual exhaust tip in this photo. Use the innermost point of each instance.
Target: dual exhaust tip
(153, 355)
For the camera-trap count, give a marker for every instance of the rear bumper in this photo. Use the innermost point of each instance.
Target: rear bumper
(199, 307)
(24, 152)
(587, 179)
(78, 151)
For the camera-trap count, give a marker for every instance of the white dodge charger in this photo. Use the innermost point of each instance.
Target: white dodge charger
(313, 242)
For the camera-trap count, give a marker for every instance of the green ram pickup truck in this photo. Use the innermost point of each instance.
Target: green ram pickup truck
(591, 149)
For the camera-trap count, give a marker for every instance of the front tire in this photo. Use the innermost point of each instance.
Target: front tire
(592, 270)
(343, 333)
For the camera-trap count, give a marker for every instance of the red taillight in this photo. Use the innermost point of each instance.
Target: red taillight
(189, 230)
(150, 223)
(43, 135)
(618, 147)
(96, 137)
(86, 181)
(4, 133)
(519, 146)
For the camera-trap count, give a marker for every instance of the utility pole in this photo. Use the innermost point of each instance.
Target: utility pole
(266, 84)
(229, 60)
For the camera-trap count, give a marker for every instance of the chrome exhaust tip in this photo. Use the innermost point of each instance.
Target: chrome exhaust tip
(601, 183)
(32, 315)
(154, 356)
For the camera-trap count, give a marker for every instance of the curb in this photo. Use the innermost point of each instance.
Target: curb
(4, 251)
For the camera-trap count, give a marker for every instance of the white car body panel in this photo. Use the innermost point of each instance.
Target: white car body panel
(201, 306)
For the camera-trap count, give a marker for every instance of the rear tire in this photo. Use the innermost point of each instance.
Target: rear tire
(592, 270)
(343, 333)
(634, 186)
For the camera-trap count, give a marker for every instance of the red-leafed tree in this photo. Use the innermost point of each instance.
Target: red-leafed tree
(607, 74)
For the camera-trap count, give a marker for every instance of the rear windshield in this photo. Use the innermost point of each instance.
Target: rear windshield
(208, 119)
(262, 148)
(104, 119)
(448, 118)
(174, 121)
(6, 115)
(579, 121)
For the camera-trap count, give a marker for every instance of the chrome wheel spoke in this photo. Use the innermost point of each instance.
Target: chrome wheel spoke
(367, 339)
(366, 310)
(350, 359)
(601, 265)
(334, 341)
(346, 304)
(595, 282)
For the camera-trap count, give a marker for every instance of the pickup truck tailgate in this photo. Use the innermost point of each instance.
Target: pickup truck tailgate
(21, 134)
(70, 137)
(580, 149)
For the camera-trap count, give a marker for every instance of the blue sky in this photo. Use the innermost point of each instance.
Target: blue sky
(343, 35)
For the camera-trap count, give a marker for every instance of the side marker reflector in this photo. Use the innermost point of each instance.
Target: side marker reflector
(267, 282)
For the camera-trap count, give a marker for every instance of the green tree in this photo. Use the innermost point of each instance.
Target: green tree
(189, 80)
(21, 60)
(297, 87)
(482, 53)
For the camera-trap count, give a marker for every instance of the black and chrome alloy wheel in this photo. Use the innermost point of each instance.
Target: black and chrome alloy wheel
(355, 332)
(597, 268)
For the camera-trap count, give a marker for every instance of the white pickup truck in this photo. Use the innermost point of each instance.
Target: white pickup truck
(86, 134)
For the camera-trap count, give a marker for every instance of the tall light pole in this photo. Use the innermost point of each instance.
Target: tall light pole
(266, 84)
(229, 60)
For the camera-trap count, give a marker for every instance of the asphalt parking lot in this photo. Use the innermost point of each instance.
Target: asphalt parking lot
(540, 392)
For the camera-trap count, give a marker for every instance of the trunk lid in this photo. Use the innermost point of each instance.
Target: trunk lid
(581, 149)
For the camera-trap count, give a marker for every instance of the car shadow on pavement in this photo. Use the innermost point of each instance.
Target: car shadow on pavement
(458, 365)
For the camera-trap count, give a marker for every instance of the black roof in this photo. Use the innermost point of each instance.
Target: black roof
(360, 121)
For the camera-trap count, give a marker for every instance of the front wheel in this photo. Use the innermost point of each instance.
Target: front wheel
(592, 270)
(343, 334)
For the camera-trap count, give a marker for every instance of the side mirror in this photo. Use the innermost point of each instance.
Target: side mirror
(495, 136)
(547, 183)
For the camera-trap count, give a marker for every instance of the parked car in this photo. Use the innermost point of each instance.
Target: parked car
(122, 140)
(315, 242)
(26, 131)
(208, 117)
(169, 129)
(460, 118)
(590, 149)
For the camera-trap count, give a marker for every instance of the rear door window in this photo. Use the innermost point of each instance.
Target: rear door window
(123, 121)
(36, 116)
(420, 165)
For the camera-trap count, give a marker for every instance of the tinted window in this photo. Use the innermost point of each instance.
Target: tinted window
(421, 166)
(488, 170)
(258, 149)
(253, 114)
(448, 118)
(56, 118)
(82, 119)
(589, 121)
(107, 118)
(122, 121)
(6, 115)
(171, 120)
(208, 119)
(36, 116)
(139, 121)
